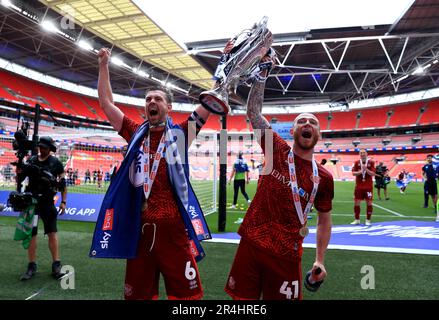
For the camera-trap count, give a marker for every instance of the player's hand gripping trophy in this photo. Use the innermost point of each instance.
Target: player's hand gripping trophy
(240, 63)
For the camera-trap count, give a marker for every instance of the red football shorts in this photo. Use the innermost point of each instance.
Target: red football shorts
(363, 194)
(257, 274)
(163, 248)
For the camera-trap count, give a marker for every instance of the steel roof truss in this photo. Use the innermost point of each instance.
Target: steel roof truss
(336, 67)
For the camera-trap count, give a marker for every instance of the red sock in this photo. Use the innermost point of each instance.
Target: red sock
(357, 212)
(369, 212)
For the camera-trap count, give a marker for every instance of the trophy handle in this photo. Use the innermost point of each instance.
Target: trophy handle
(216, 101)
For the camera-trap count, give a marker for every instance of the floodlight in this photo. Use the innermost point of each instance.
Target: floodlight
(141, 73)
(6, 3)
(85, 45)
(49, 26)
(119, 62)
(402, 78)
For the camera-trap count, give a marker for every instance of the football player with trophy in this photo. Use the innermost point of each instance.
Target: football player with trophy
(267, 263)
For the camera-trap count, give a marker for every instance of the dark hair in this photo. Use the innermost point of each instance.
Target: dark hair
(429, 155)
(166, 91)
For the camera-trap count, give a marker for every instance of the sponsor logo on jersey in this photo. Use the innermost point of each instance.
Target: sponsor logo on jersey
(193, 248)
(105, 240)
(135, 171)
(198, 226)
(108, 220)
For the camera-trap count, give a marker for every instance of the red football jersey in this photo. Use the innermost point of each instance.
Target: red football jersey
(161, 203)
(367, 183)
(271, 221)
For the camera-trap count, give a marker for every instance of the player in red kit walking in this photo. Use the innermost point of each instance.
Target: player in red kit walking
(363, 170)
(268, 261)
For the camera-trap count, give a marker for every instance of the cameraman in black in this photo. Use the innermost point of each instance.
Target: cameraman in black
(46, 177)
(382, 179)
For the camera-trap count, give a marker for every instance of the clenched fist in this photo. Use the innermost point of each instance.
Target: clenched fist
(104, 56)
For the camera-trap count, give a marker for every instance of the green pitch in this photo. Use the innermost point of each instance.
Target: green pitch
(402, 207)
(397, 276)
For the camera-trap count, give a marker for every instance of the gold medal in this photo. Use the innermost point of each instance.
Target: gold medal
(144, 206)
(304, 231)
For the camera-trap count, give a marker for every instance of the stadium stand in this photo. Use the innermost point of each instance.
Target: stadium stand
(373, 118)
(78, 105)
(342, 169)
(15, 87)
(11, 83)
(343, 120)
(405, 115)
(134, 112)
(431, 114)
(94, 150)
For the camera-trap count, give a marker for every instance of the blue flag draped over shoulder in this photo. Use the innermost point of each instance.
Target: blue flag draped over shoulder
(117, 230)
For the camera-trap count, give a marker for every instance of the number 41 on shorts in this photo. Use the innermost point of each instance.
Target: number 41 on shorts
(286, 289)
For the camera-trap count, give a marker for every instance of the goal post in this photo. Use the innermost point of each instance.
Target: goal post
(203, 169)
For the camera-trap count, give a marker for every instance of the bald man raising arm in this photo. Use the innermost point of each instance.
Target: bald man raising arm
(268, 261)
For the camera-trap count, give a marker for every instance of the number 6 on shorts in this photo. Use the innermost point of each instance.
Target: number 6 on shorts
(190, 272)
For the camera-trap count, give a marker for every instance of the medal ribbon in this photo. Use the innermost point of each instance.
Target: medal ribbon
(295, 189)
(363, 171)
(150, 177)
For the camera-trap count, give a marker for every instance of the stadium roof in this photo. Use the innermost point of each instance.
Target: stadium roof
(64, 46)
(341, 65)
(335, 66)
(124, 25)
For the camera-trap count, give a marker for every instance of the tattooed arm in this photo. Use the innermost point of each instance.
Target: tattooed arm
(254, 107)
(256, 98)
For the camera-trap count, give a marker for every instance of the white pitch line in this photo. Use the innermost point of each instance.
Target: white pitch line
(378, 206)
(388, 210)
(35, 294)
(218, 239)
(47, 285)
(383, 216)
(345, 215)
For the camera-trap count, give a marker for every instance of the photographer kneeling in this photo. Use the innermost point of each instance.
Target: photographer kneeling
(46, 177)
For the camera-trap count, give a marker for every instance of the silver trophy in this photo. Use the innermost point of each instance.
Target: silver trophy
(239, 66)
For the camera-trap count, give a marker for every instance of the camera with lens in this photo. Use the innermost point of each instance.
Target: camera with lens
(42, 182)
(21, 142)
(42, 185)
(381, 170)
(19, 201)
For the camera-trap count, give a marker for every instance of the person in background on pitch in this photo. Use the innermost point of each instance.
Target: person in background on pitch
(87, 176)
(164, 246)
(241, 174)
(402, 180)
(430, 175)
(113, 170)
(257, 165)
(381, 180)
(363, 171)
(43, 189)
(267, 263)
